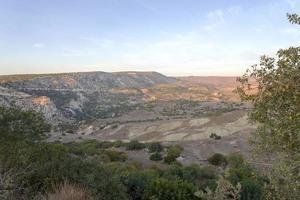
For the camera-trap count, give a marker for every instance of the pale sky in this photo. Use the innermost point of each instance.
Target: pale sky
(174, 37)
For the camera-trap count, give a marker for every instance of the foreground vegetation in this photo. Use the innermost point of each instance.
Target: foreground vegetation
(31, 168)
(273, 87)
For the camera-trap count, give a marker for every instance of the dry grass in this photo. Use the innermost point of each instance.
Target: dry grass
(68, 191)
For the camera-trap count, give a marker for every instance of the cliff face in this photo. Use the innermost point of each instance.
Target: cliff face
(77, 96)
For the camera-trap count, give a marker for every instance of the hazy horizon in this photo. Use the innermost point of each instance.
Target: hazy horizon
(175, 38)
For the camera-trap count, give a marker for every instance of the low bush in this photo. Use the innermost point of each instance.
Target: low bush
(116, 155)
(156, 157)
(251, 190)
(155, 147)
(135, 145)
(173, 152)
(217, 159)
(235, 160)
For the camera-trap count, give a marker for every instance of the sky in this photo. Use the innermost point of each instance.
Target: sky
(173, 37)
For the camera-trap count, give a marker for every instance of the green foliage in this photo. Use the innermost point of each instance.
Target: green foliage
(276, 101)
(156, 157)
(17, 123)
(118, 143)
(162, 189)
(116, 156)
(135, 145)
(224, 191)
(38, 167)
(273, 87)
(173, 152)
(294, 18)
(235, 160)
(155, 147)
(217, 159)
(137, 182)
(250, 190)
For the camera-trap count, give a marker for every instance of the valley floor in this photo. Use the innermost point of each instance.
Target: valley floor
(193, 134)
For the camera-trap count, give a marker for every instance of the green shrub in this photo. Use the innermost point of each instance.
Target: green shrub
(236, 175)
(163, 189)
(135, 145)
(217, 159)
(18, 124)
(192, 173)
(208, 172)
(116, 155)
(137, 181)
(118, 143)
(235, 160)
(173, 152)
(251, 190)
(156, 157)
(155, 147)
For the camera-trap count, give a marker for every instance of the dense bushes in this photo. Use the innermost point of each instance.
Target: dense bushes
(135, 145)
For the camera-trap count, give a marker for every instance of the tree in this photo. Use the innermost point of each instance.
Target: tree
(16, 123)
(273, 88)
(294, 18)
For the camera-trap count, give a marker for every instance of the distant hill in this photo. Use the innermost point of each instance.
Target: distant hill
(72, 97)
(76, 96)
(85, 80)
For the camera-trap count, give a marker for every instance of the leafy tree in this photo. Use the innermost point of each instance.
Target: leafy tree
(294, 18)
(273, 87)
(18, 124)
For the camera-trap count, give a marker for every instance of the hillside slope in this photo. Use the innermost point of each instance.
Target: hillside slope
(78, 96)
